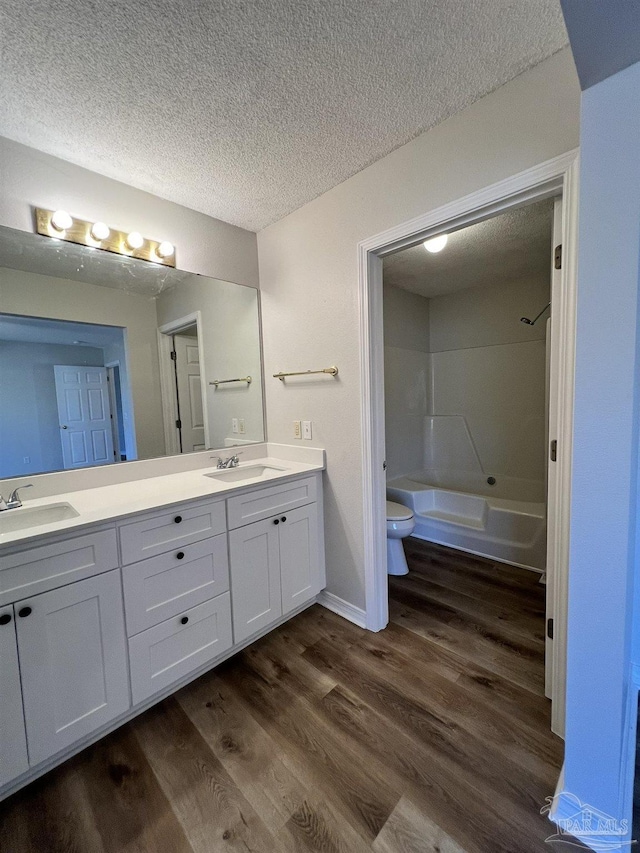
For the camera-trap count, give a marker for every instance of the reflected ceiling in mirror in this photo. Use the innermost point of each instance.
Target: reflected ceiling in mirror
(105, 358)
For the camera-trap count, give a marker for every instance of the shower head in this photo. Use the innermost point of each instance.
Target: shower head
(529, 322)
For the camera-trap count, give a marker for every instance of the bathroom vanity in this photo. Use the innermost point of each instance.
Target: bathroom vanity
(111, 598)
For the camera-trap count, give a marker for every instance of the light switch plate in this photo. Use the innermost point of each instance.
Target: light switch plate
(241, 426)
(234, 425)
(306, 430)
(297, 431)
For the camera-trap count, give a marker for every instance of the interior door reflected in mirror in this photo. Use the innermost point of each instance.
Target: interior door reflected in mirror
(105, 359)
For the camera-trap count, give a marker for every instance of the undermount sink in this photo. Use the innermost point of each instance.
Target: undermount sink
(249, 472)
(24, 517)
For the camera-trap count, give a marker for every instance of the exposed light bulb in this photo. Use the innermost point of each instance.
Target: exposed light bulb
(135, 240)
(165, 249)
(436, 244)
(61, 220)
(100, 231)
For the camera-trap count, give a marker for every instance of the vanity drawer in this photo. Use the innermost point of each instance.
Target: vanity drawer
(171, 650)
(262, 503)
(46, 567)
(160, 532)
(165, 586)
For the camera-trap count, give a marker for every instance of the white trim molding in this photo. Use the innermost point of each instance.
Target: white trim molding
(342, 608)
(558, 176)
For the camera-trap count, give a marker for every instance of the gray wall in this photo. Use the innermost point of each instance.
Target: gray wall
(309, 279)
(29, 423)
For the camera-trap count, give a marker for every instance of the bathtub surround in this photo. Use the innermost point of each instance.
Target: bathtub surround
(481, 373)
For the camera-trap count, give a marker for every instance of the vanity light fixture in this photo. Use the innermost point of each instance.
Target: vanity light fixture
(100, 231)
(436, 244)
(135, 240)
(165, 249)
(61, 220)
(98, 235)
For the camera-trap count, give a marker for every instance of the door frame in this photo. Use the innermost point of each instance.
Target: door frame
(167, 379)
(553, 177)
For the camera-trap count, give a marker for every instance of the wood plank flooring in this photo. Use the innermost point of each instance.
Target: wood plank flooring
(429, 737)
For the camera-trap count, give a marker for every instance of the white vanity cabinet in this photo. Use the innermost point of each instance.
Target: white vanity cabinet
(98, 624)
(276, 562)
(73, 662)
(177, 603)
(13, 739)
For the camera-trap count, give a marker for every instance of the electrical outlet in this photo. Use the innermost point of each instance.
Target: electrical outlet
(241, 426)
(297, 432)
(306, 430)
(234, 425)
(26, 460)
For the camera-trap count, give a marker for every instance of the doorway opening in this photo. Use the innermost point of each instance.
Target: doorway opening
(183, 383)
(554, 179)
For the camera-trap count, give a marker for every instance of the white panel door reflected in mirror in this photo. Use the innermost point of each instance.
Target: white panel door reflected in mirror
(126, 317)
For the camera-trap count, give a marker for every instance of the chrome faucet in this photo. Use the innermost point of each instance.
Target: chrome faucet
(14, 500)
(231, 462)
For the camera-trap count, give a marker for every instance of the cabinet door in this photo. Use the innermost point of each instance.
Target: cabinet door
(13, 743)
(73, 662)
(299, 557)
(255, 577)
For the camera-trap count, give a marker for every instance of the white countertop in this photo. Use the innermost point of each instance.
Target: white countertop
(107, 503)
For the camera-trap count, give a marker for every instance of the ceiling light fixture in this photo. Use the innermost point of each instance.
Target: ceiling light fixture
(97, 235)
(436, 244)
(61, 220)
(100, 231)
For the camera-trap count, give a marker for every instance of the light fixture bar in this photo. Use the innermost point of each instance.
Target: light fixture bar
(50, 223)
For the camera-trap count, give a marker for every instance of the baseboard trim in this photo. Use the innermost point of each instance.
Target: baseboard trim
(343, 608)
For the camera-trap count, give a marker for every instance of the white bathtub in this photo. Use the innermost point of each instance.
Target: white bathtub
(491, 523)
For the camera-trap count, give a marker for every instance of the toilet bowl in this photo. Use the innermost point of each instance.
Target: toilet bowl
(400, 523)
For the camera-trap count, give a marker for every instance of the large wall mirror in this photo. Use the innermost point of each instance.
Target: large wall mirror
(107, 359)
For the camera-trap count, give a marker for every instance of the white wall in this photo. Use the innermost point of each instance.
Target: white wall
(29, 423)
(603, 567)
(308, 272)
(61, 299)
(406, 379)
(29, 178)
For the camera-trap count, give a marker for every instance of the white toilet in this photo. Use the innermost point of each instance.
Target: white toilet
(400, 523)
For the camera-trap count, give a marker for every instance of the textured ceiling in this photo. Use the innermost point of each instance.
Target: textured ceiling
(247, 109)
(513, 246)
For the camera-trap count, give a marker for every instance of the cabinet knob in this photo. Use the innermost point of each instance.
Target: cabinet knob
(284, 518)
(184, 620)
(180, 555)
(276, 521)
(24, 612)
(178, 519)
(5, 619)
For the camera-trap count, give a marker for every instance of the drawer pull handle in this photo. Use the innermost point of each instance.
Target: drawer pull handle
(276, 521)
(178, 519)
(24, 612)
(284, 518)
(184, 620)
(180, 555)
(5, 619)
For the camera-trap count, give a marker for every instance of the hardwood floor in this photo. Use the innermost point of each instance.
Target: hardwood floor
(429, 737)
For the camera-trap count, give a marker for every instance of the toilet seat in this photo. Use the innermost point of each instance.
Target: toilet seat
(398, 512)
